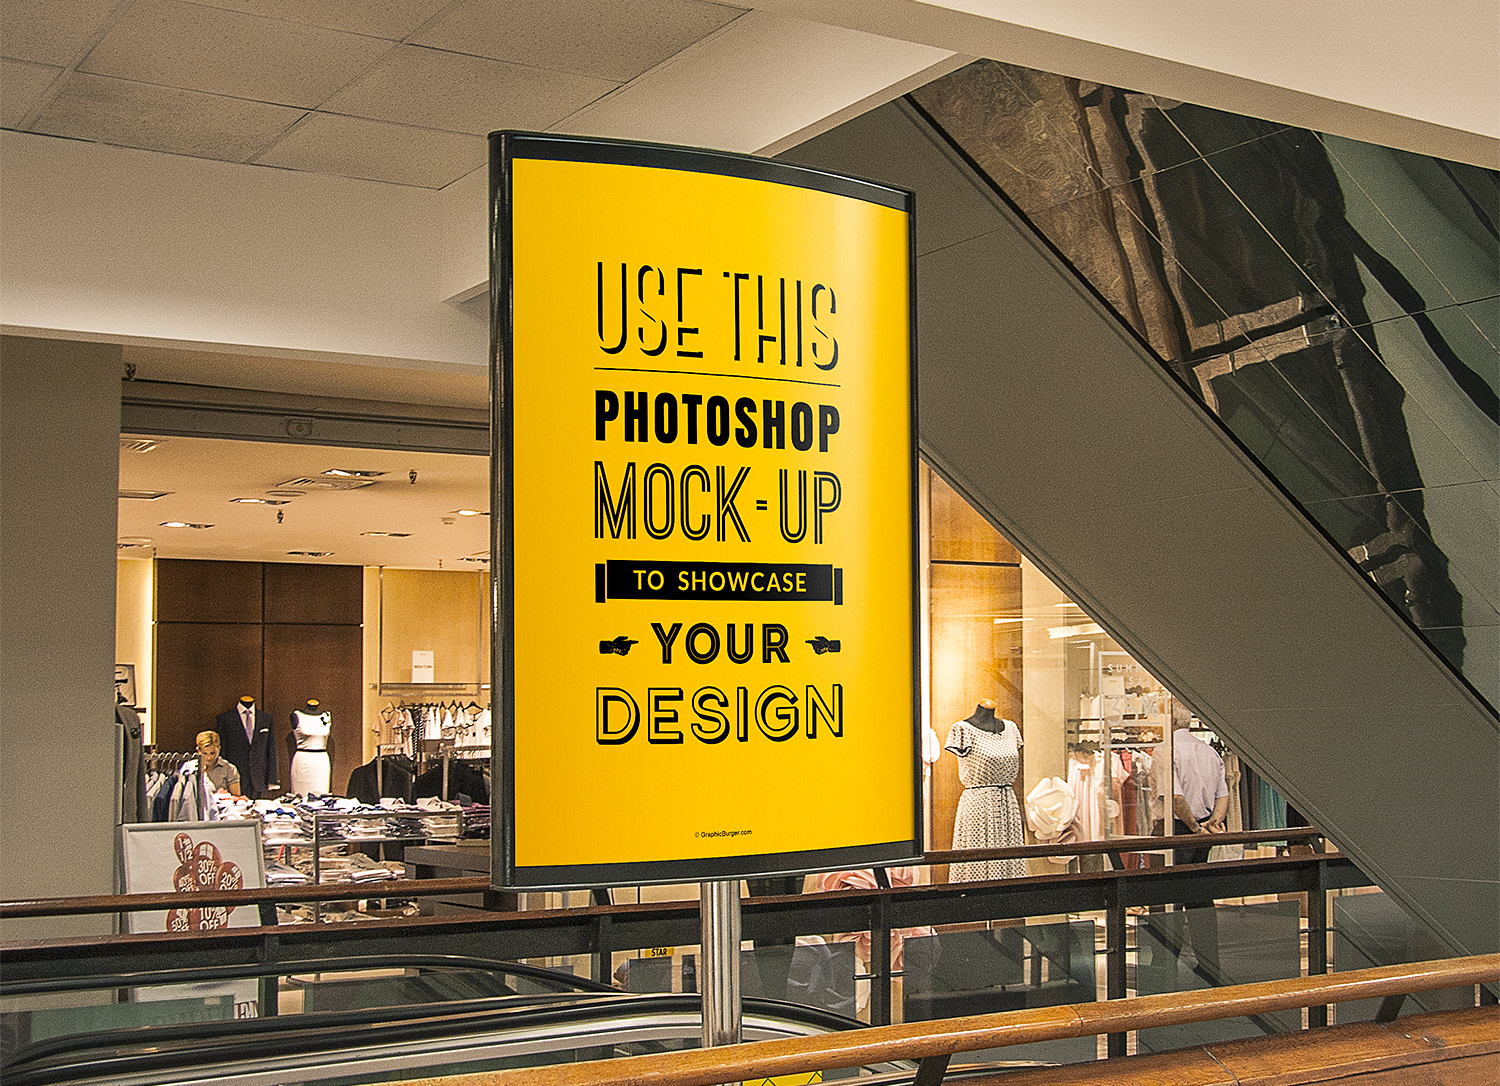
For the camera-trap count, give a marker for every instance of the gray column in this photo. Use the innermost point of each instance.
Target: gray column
(59, 483)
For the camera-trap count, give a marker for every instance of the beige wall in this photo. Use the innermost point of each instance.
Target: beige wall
(134, 593)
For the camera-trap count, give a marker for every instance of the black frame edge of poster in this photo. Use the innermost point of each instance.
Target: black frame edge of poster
(504, 146)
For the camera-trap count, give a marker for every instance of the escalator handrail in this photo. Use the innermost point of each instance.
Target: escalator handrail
(200, 973)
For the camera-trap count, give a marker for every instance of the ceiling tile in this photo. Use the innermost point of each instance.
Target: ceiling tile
(224, 52)
(376, 151)
(21, 88)
(53, 31)
(436, 89)
(180, 122)
(610, 39)
(392, 19)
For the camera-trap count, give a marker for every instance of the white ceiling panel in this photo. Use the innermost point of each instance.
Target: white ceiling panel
(180, 122)
(393, 19)
(610, 39)
(432, 88)
(203, 476)
(53, 31)
(377, 151)
(764, 77)
(21, 88)
(225, 52)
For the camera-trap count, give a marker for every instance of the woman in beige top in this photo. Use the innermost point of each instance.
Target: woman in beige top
(222, 776)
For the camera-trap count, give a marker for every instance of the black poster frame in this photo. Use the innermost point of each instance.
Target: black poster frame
(505, 147)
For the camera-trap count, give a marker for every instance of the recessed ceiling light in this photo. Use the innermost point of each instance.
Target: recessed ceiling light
(140, 445)
(474, 558)
(349, 473)
(145, 495)
(259, 501)
(471, 512)
(182, 524)
(311, 554)
(387, 535)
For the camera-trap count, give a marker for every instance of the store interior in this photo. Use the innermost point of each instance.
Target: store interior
(358, 579)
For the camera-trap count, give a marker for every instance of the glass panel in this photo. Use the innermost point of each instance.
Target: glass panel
(1020, 126)
(1449, 399)
(424, 987)
(815, 975)
(1371, 930)
(1210, 130)
(1334, 302)
(1004, 969)
(22, 1027)
(1203, 947)
(1433, 221)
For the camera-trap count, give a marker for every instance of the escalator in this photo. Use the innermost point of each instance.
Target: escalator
(1273, 568)
(396, 1019)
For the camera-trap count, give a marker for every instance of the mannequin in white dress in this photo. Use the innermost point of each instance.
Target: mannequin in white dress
(312, 771)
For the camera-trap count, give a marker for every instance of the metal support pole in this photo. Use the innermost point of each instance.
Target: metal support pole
(719, 962)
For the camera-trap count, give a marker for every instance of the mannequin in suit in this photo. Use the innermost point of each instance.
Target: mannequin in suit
(250, 750)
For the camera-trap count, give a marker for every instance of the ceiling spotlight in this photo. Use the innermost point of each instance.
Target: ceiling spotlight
(259, 501)
(346, 473)
(471, 512)
(182, 524)
(311, 554)
(386, 535)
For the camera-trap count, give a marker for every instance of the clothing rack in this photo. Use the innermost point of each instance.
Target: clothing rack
(167, 761)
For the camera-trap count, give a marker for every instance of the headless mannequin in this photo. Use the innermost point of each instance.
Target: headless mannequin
(311, 747)
(988, 814)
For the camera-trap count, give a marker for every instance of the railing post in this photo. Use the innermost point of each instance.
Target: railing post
(1317, 936)
(602, 957)
(1114, 956)
(880, 961)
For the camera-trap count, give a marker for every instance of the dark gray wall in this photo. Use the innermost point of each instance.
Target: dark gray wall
(1065, 432)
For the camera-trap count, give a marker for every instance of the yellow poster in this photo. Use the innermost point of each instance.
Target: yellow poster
(708, 513)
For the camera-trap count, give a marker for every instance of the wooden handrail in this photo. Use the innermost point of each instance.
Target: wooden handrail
(923, 1040)
(331, 891)
(411, 888)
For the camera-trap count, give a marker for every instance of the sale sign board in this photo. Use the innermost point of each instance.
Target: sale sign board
(704, 516)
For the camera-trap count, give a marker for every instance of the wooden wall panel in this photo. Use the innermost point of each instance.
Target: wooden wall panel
(192, 591)
(202, 668)
(323, 662)
(973, 657)
(959, 533)
(302, 593)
